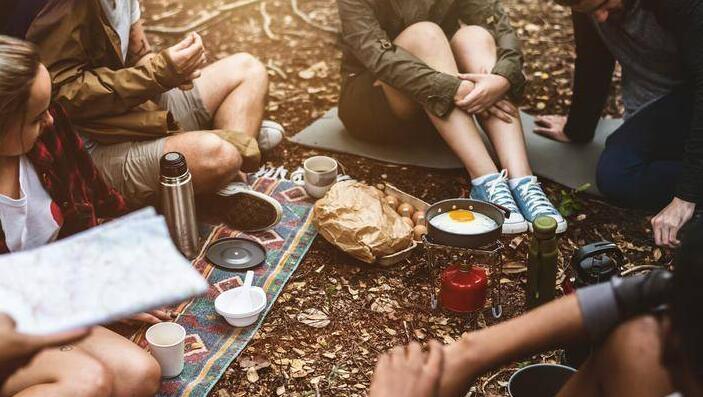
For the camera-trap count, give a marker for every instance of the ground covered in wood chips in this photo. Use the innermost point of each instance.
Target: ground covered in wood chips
(366, 310)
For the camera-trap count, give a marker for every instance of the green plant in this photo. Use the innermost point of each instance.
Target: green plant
(569, 202)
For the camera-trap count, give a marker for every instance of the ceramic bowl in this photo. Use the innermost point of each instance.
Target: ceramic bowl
(224, 304)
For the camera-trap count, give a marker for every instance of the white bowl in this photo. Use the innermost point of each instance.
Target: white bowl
(224, 304)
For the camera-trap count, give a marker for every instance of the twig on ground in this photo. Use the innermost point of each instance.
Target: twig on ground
(640, 268)
(492, 377)
(267, 21)
(277, 70)
(201, 22)
(306, 18)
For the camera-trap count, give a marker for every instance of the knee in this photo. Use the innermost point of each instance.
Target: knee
(474, 35)
(93, 379)
(612, 175)
(140, 376)
(637, 339)
(250, 66)
(218, 157)
(422, 37)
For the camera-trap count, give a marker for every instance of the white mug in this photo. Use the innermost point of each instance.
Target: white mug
(320, 174)
(167, 345)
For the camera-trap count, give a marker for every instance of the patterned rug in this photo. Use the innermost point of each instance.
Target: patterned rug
(211, 343)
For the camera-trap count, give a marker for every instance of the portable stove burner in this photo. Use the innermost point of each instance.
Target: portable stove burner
(491, 260)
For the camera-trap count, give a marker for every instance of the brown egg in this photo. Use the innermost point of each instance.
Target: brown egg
(408, 221)
(419, 217)
(419, 231)
(406, 210)
(392, 201)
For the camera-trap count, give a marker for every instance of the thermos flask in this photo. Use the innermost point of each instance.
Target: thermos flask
(542, 257)
(178, 203)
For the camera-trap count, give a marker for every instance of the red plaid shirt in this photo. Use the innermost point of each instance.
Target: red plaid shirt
(69, 176)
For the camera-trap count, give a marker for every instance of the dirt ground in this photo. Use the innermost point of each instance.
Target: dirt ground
(370, 309)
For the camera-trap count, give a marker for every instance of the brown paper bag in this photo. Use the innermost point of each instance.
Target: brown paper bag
(354, 217)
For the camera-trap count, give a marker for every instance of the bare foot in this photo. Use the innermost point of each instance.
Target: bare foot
(551, 127)
(408, 372)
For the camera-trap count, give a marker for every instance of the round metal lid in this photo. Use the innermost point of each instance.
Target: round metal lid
(235, 253)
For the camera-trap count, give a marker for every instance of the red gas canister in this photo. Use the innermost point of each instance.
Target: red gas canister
(463, 288)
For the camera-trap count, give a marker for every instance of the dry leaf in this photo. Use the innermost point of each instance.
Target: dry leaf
(252, 375)
(314, 318)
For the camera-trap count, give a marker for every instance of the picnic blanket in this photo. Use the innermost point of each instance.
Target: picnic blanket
(569, 165)
(212, 344)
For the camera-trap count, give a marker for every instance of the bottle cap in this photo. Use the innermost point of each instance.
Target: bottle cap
(544, 227)
(173, 165)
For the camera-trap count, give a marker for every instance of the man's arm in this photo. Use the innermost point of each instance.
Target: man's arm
(592, 77)
(490, 15)
(362, 33)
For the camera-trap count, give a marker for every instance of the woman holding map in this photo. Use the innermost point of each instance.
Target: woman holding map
(49, 189)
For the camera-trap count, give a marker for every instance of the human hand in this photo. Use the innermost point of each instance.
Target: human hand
(188, 56)
(488, 89)
(667, 223)
(16, 350)
(552, 127)
(503, 110)
(152, 317)
(407, 371)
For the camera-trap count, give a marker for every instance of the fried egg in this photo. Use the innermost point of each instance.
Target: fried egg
(463, 222)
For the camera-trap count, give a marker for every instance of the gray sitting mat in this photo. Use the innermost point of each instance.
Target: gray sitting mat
(569, 165)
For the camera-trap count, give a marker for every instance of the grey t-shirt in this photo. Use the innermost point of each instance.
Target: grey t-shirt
(647, 53)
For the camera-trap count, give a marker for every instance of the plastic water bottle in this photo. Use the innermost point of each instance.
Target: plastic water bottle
(178, 203)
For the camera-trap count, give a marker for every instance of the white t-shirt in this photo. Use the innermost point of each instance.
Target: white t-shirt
(32, 220)
(122, 14)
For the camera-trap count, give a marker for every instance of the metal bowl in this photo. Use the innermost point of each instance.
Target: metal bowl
(438, 236)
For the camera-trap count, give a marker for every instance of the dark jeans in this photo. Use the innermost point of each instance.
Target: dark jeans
(642, 160)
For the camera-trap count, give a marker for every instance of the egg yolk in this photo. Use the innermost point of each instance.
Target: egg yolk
(461, 215)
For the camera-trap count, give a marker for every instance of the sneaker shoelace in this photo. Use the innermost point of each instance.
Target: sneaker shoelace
(499, 192)
(535, 198)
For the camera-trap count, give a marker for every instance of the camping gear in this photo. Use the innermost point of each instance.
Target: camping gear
(463, 288)
(178, 203)
(241, 306)
(353, 217)
(211, 343)
(442, 237)
(596, 263)
(539, 380)
(236, 253)
(569, 165)
(542, 257)
(320, 174)
(470, 255)
(167, 345)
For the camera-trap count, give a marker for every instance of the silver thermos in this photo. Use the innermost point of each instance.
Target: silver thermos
(178, 203)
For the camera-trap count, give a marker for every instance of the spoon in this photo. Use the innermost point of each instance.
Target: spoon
(243, 302)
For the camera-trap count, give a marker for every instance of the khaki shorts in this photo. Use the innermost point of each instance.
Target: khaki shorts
(133, 167)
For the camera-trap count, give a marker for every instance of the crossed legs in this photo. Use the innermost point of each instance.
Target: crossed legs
(104, 364)
(234, 91)
(471, 50)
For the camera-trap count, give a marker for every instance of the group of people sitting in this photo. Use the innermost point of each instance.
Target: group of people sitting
(87, 109)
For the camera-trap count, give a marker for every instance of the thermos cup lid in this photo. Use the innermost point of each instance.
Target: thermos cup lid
(544, 227)
(173, 165)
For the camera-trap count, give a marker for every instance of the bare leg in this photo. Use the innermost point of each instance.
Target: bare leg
(212, 161)
(104, 364)
(234, 91)
(628, 364)
(475, 51)
(427, 41)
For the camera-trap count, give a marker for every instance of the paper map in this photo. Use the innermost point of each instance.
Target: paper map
(110, 272)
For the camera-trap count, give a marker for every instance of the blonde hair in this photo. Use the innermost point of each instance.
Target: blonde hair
(19, 64)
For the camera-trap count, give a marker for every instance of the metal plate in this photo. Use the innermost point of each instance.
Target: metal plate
(236, 253)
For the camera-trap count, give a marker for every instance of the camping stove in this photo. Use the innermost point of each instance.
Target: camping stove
(468, 276)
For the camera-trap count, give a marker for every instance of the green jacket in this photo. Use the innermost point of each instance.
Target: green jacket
(370, 26)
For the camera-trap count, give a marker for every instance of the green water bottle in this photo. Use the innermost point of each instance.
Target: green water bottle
(542, 262)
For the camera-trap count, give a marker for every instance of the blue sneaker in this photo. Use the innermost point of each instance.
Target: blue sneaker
(533, 203)
(496, 190)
